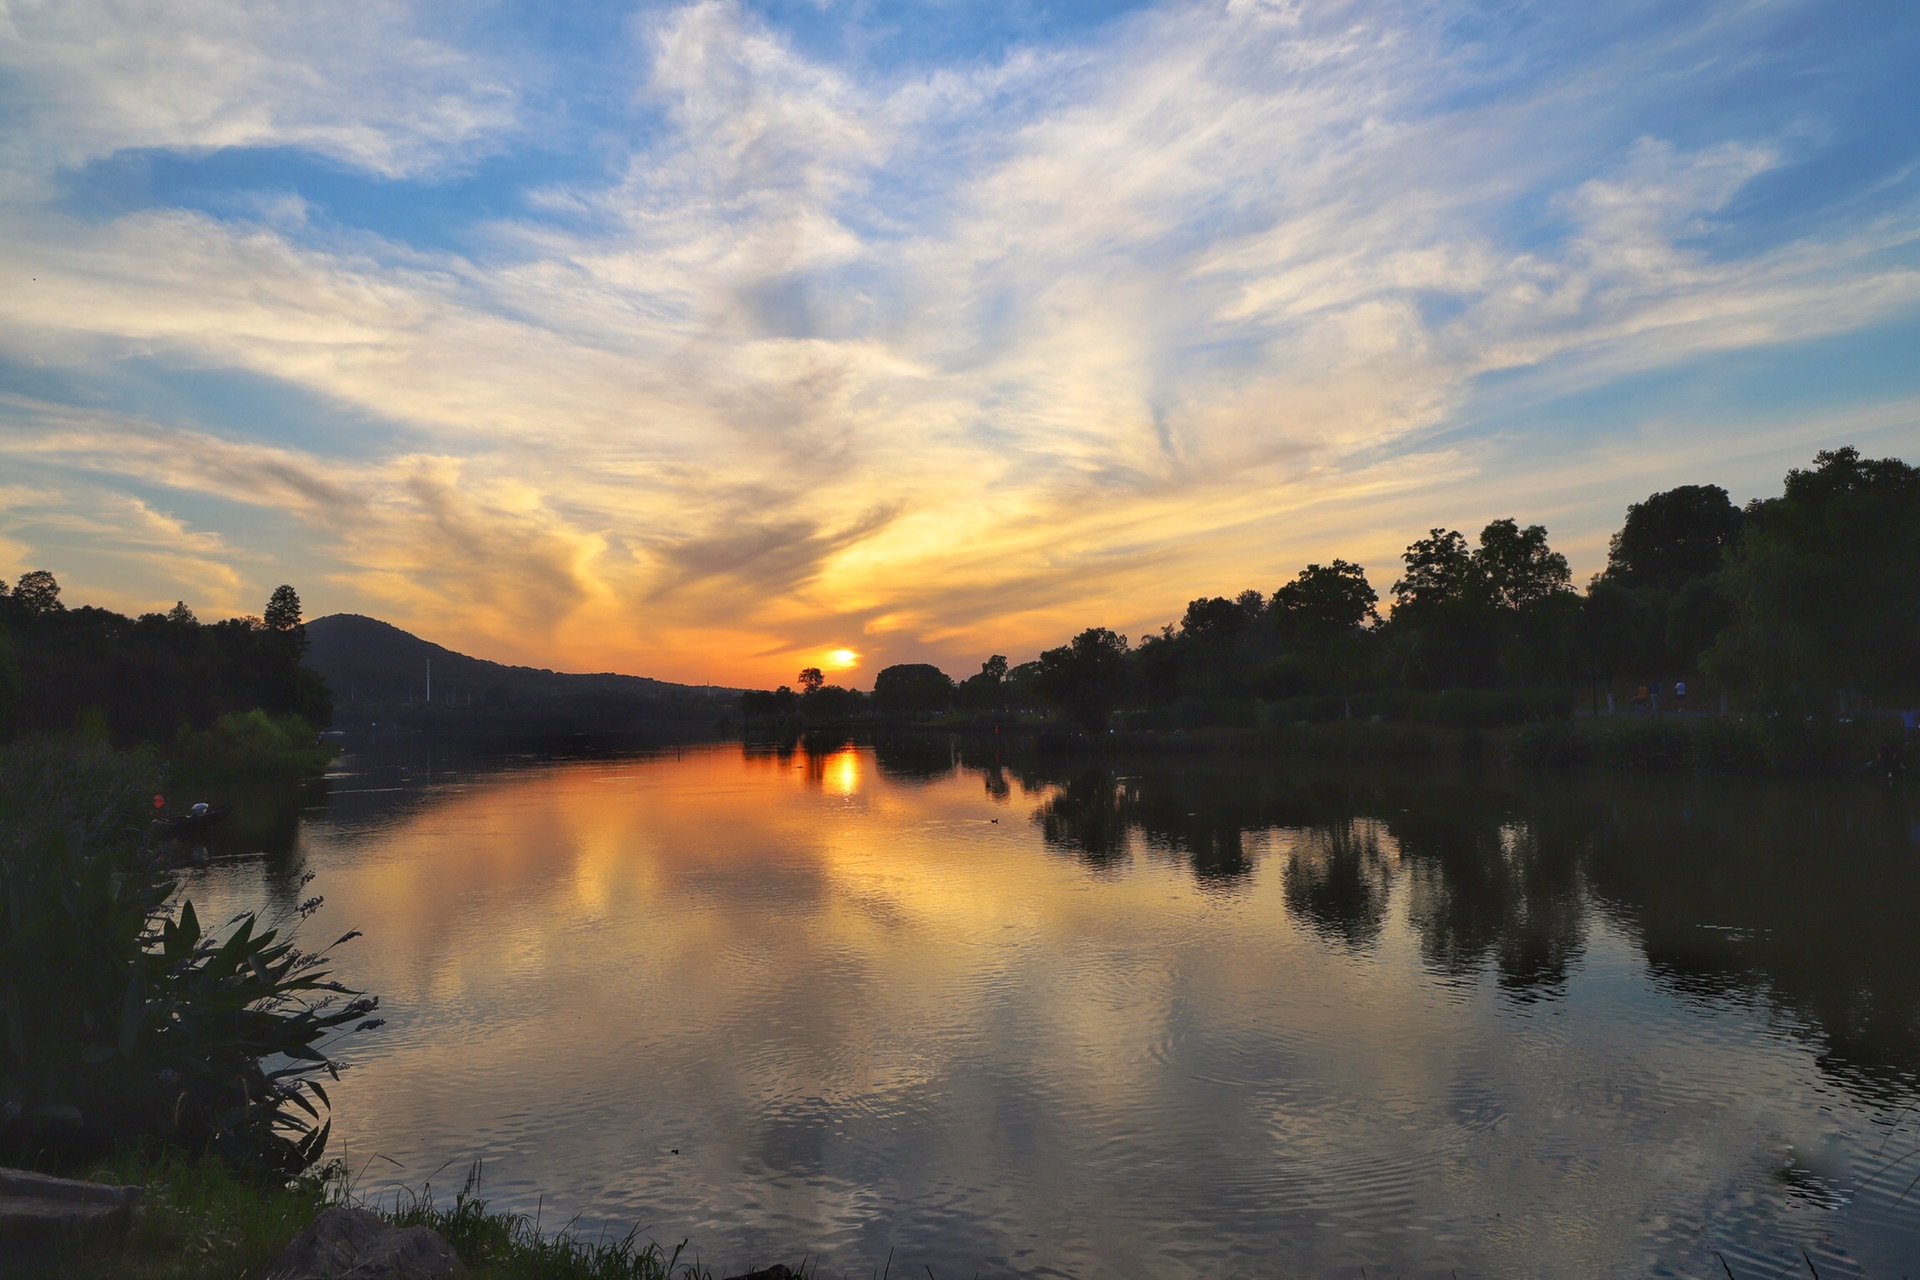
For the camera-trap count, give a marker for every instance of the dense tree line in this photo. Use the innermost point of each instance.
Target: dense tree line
(144, 679)
(1809, 601)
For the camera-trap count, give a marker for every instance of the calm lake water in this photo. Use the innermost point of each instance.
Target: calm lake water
(1166, 1019)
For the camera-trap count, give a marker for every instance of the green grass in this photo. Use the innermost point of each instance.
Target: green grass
(510, 1246)
(198, 1220)
(201, 1221)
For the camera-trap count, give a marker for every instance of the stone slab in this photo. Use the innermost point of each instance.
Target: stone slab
(353, 1244)
(38, 1214)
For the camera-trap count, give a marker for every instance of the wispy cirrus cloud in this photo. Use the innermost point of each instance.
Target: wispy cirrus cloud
(945, 356)
(363, 83)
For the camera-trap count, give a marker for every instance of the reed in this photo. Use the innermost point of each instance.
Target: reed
(201, 1219)
(504, 1245)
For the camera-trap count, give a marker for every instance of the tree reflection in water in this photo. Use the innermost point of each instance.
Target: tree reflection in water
(1337, 881)
(1795, 893)
(1399, 997)
(1487, 886)
(1089, 815)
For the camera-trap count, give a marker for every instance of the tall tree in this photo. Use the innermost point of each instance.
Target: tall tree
(1440, 570)
(1824, 588)
(1518, 567)
(810, 680)
(283, 611)
(1471, 615)
(1673, 536)
(37, 594)
(1215, 620)
(1621, 630)
(1086, 677)
(1325, 599)
(1322, 617)
(912, 688)
(986, 689)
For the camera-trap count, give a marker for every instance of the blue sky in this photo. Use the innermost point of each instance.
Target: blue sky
(698, 340)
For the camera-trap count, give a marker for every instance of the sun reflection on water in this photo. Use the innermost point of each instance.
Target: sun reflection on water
(748, 993)
(843, 771)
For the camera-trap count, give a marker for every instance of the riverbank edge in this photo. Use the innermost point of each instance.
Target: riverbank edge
(1638, 743)
(199, 1219)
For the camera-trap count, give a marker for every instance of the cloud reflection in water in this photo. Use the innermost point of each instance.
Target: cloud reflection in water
(1176, 1020)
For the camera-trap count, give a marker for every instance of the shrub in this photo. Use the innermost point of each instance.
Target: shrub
(121, 1018)
(1553, 743)
(1651, 745)
(1491, 708)
(251, 744)
(1726, 746)
(1360, 740)
(1814, 744)
(1389, 704)
(1190, 712)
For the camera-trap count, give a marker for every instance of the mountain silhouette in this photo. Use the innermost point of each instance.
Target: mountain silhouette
(367, 662)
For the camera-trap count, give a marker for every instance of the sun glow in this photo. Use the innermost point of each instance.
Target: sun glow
(843, 658)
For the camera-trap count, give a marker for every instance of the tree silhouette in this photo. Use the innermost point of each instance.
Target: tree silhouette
(150, 675)
(1673, 536)
(1086, 678)
(1824, 589)
(1325, 599)
(1795, 599)
(811, 680)
(1440, 571)
(912, 688)
(283, 609)
(986, 689)
(1518, 567)
(282, 619)
(37, 594)
(1216, 620)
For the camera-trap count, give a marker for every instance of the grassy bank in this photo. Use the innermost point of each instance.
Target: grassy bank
(1708, 744)
(199, 1220)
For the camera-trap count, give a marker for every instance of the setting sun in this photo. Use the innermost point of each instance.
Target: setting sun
(843, 658)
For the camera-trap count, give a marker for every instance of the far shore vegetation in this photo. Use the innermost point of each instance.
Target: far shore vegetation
(1782, 635)
(219, 702)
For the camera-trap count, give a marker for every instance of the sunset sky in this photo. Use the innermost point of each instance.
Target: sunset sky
(701, 341)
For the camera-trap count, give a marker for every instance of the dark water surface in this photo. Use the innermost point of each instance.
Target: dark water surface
(1168, 1019)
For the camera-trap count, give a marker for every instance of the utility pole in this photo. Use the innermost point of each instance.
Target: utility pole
(429, 681)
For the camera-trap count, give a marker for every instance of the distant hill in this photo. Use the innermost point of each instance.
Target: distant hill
(374, 667)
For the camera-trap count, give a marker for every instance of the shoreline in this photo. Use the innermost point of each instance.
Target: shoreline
(1671, 742)
(198, 1219)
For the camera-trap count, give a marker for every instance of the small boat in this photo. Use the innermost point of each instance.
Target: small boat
(194, 820)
